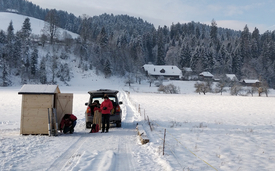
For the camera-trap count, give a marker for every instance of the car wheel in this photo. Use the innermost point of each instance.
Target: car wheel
(118, 124)
(88, 125)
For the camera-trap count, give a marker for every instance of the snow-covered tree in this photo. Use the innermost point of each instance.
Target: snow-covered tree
(34, 62)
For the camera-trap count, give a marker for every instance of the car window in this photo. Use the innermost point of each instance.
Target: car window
(100, 99)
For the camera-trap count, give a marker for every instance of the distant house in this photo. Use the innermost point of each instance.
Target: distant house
(167, 71)
(12, 11)
(205, 76)
(232, 77)
(188, 74)
(248, 82)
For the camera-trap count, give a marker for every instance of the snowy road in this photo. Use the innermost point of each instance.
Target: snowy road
(117, 150)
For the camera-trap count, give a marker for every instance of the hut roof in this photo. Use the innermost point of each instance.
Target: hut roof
(39, 89)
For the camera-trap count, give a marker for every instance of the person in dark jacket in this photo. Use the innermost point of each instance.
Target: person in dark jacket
(105, 108)
(68, 123)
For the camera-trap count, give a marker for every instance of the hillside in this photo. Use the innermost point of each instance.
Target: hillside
(18, 19)
(120, 45)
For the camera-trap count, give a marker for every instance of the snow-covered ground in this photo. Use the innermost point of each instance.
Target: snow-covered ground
(17, 21)
(204, 132)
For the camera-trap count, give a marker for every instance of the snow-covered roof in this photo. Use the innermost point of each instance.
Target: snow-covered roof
(187, 69)
(39, 89)
(165, 70)
(206, 74)
(249, 81)
(232, 77)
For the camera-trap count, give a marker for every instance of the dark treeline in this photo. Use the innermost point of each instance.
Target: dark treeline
(118, 45)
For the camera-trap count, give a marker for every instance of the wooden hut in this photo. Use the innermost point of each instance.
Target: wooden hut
(36, 99)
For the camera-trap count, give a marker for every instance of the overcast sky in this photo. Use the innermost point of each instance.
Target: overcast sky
(234, 14)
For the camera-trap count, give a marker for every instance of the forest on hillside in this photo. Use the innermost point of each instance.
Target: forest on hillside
(119, 45)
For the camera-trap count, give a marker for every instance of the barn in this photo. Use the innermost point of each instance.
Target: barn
(37, 100)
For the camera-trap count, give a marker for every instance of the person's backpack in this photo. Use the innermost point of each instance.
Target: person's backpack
(95, 128)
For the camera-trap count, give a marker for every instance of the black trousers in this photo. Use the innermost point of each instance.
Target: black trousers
(105, 120)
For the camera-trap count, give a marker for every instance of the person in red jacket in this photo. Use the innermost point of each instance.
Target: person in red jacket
(106, 107)
(68, 123)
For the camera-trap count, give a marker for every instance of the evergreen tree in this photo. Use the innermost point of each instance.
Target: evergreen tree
(161, 51)
(5, 76)
(245, 45)
(185, 56)
(214, 32)
(10, 45)
(17, 53)
(103, 38)
(43, 72)
(34, 61)
(26, 29)
(107, 69)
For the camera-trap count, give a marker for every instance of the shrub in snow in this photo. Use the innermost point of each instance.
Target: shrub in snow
(235, 89)
(169, 89)
(158, 83)
(202, 87)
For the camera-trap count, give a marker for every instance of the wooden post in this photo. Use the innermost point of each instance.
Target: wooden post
(144, 112)
(164, 140)
(149, 123)
(56, 122)
(49, 122)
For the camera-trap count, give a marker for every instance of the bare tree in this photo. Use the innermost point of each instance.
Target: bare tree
(129, 79)
(51, 25)
(252, 90)
(220, 87)
(235, 89)
(151, 80)
(263, 88)
(202, 87)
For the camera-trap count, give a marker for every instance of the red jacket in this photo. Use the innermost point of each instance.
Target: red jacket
(67, 122)
(108, 104)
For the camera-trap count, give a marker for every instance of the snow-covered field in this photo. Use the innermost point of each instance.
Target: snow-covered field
(204, 132)
(17, 21)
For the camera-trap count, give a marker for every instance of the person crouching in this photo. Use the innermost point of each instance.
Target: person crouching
(106, 107)
(68, 123)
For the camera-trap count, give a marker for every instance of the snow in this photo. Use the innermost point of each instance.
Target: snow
(250, 81)
(169, 70)
(41, 89)
(232, 77)
(206, 74)
(204, 132)
(18, 20)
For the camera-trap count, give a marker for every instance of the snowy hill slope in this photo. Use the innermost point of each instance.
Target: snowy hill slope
(17, 20)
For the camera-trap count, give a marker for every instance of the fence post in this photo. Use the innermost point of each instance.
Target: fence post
(144, 117)
(149, 123)
(164, 140)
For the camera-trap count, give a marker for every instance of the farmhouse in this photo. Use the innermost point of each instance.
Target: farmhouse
(248, 82)
(167, 71)
(36, 102)
(232, 77)
(205, 76)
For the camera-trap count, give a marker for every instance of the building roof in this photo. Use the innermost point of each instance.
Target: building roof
(206, 74)
(165, 70)
(232, 77)
(187, 69)
(39, 89)
(248, 81)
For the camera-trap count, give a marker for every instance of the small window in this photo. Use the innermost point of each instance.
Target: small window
(162, 71)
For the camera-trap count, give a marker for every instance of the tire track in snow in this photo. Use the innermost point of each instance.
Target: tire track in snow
(64, 160)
